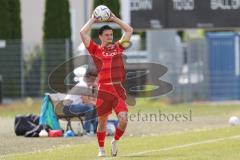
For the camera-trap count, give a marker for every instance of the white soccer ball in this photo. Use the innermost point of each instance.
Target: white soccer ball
(102, 13)
(234, 121)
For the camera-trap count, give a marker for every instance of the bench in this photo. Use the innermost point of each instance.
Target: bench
(57, 102)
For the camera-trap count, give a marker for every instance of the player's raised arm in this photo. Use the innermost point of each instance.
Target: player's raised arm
(128, 30)
(84, 31)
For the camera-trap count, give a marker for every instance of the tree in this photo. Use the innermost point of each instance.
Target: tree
(10, 31)
(57, 20)
(57, 38)
(114, 6)
(4, 19)
(10, 21)
(14, 19)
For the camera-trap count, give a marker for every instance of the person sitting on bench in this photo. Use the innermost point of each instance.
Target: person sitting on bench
(76, 103)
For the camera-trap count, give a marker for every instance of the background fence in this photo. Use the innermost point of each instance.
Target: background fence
(209, 68)
(26, 74)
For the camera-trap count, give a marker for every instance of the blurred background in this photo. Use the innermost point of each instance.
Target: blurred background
(198, 41)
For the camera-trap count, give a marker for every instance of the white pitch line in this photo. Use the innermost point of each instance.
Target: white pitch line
(143, 152)
(177, 147)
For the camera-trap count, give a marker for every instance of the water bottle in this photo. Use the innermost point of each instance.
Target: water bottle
(79, 130)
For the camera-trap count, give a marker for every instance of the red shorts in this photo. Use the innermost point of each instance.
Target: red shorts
(111, 97)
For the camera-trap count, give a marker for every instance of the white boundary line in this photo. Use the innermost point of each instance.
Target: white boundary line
(144, 152)
(178, 146)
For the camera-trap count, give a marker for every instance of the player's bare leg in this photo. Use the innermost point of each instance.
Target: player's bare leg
(101, 134)
(122, 125)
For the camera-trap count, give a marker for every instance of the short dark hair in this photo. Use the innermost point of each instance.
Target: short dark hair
(103, 28)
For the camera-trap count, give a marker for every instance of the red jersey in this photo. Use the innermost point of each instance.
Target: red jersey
(109, 62)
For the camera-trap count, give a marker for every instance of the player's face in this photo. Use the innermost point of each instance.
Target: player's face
(106, 37)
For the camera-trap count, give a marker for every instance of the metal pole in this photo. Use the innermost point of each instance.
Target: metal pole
(1, 96)
(85, 13)
(85, 10)
(22, 72)
(67, 57)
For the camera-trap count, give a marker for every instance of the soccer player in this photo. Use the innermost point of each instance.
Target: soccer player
(111, 74)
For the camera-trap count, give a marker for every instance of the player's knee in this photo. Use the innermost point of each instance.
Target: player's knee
(123, 118)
